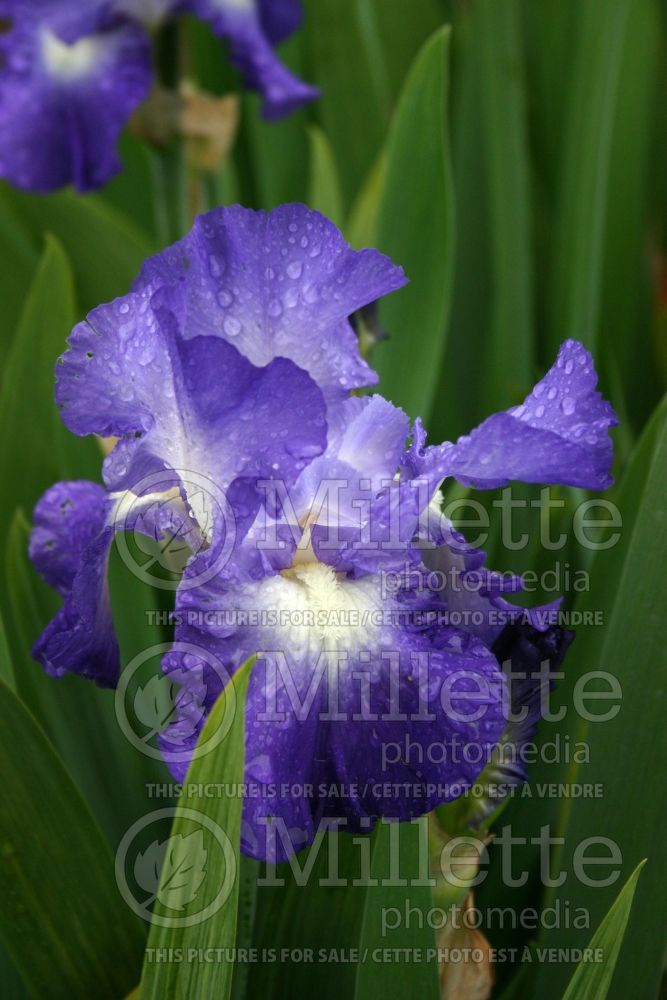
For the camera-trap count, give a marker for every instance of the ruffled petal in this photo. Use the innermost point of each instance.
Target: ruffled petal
(277, 283)
(472, 593)
(74, 527)
(70, 548)
(195, 406)
(349, 755)
(559, 435)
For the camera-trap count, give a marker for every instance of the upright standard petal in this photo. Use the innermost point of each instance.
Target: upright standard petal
(192, 405)
(282, 283)
(250, 27)
(69, 81)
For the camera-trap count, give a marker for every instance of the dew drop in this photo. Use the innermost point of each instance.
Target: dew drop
(232, 326)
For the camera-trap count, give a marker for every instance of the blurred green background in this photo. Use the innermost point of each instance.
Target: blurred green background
(512, 156)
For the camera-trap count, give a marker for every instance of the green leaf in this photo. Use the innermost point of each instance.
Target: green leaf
(395, 36)
(324, 189)
(626, 327)
(6, 668)
(62, 918)
(323, 902)
(105, 248)
(77, 716)
(456, 407)
(32, 447)
(15, 246)
(272, 157)
(361, 225)
(35, 451)
(344, 61)
(130, 193)
(591, 980)
(581, 209)
(412, 977)
(510, 363)
(27, 403)
(278, 157)
(193, 858)
(358, 53)
(415, 229)
(627, 585)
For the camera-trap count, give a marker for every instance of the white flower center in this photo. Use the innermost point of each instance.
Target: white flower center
(70, 62)
(314, 610)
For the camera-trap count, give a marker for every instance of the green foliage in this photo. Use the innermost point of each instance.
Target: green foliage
(182, 875)
(510, 155)
(61, 909)
(416, 227)
(591, 981)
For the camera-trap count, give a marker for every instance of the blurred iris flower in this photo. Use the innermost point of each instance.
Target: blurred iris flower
(233, 361)
(73, 71)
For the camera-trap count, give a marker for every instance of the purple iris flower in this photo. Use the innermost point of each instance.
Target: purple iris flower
(234, 359)
(73, 71)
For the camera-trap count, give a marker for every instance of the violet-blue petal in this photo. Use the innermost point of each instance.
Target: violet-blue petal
(65, 95)
(191, 405)
(251, 51)
(278, 283)
(364, 445)
(559, 435)
(303, 747)
(280, 18)
(74, 527)
(70, 547)
(472, 593)
(356, 768)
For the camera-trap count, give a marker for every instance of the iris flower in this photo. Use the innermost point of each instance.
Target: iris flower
(233, 359)
(73, 71)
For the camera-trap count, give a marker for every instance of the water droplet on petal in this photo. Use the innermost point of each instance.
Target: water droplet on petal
(232, 326)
